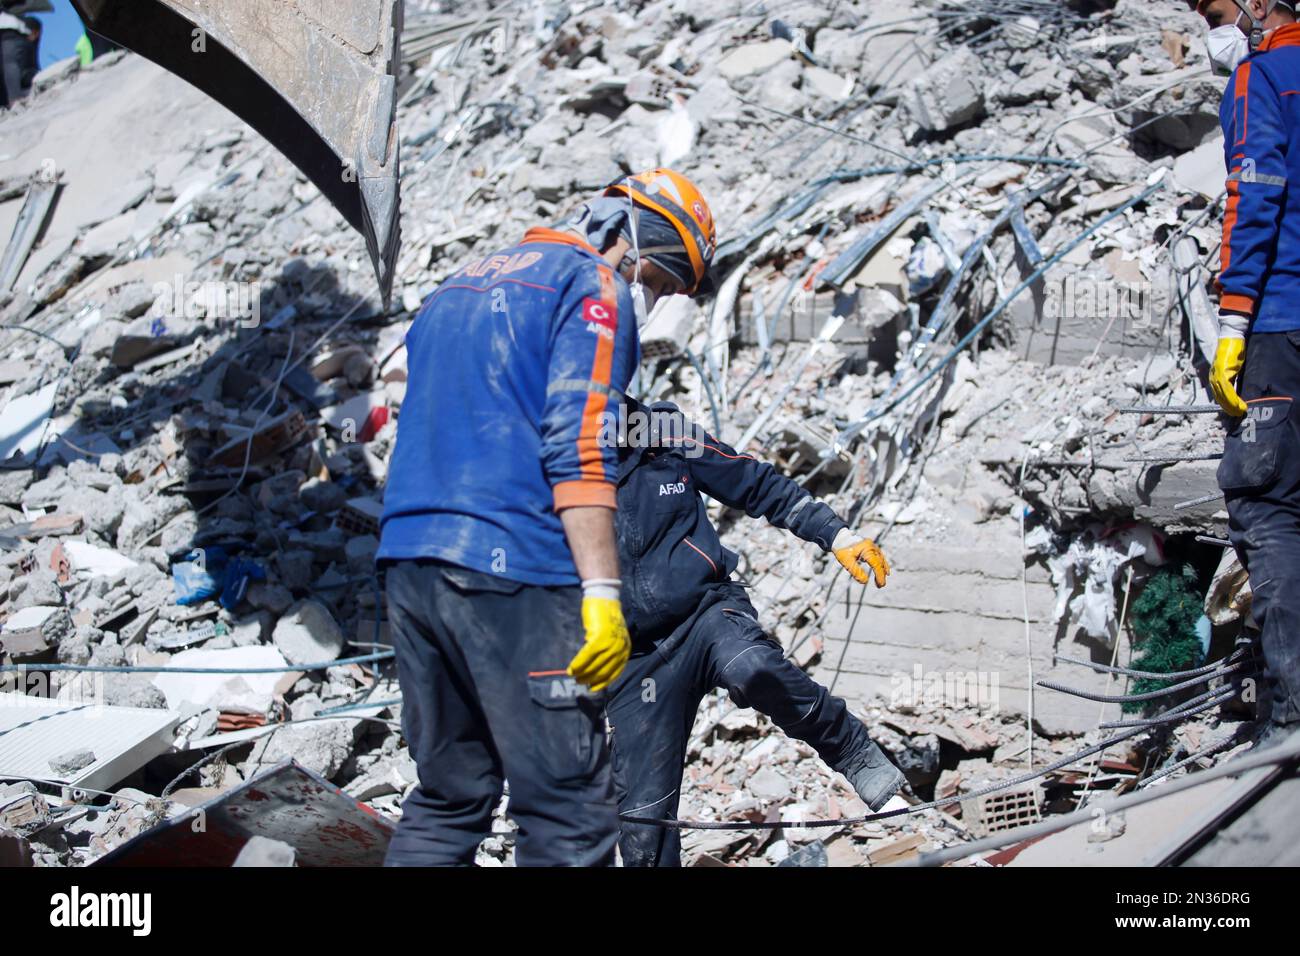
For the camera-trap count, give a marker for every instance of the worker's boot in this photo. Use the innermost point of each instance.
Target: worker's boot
(874, 778)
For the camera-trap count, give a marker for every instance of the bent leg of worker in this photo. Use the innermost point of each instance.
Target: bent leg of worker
(12, 46)
(1260, 476)
(652, 709)
(550, 734)
(449, 812)
(753, 669)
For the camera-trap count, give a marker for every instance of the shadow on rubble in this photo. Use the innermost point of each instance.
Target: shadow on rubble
(242, 459)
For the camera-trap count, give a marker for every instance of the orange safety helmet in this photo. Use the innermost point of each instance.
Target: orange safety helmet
(675, 198)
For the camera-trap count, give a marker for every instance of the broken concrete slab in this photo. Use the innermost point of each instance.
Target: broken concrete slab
(320, 745)
(33, 632)
(94, 561)
(1202, 170)
(754, 58)
(308, 634)
(949, 93)
(42, 195)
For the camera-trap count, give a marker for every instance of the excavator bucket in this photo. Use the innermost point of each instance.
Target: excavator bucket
(317, 78)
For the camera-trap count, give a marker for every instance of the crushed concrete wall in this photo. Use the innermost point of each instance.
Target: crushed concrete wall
(956, 610)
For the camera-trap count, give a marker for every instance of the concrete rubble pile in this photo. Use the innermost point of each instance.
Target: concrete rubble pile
(958, 242)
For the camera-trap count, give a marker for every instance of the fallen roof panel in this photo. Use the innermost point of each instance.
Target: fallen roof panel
(34, 730)
(288, 803)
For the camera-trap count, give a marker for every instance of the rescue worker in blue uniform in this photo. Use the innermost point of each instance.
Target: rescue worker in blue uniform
(694, 628)
(1256, 372)
(498, 542)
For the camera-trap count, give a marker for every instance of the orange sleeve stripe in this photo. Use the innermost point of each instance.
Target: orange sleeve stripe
(1241, 84)
(1241, 94)
(542, 234)
(591, 462)
(584, 494)
(1237, 303)
(1229, 222)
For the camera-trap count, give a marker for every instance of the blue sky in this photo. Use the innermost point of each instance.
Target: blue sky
(62, 30)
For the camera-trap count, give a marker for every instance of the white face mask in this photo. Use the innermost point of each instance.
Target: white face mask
(1228, 46)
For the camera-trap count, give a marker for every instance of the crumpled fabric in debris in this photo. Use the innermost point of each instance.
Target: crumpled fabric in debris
(1092, 561)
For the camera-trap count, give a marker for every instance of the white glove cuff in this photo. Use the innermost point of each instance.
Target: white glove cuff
(607, 588)
(1232, 325)
(843, 538)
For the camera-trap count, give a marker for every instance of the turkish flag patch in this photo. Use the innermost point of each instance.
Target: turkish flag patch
(593, 310)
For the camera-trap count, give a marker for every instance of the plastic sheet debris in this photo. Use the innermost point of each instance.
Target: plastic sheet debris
(209, 572)
(236, 691)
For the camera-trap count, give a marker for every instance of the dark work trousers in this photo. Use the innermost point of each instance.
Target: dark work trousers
(656, 699)
(13, 54)
(481, 661)
(1260, 478)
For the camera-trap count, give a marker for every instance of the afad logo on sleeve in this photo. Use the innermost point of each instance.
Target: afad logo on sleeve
(599, 317)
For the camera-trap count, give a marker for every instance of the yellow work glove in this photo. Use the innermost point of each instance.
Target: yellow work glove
(608, 645)
(852, 552)
(1229, 357)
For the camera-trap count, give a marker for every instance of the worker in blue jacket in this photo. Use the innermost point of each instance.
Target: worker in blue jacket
(694, 628)
(498, 540)
(1256, 371)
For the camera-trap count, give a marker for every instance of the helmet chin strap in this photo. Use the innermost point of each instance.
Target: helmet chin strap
(639, 296)
(1256, 32)
(632, 227)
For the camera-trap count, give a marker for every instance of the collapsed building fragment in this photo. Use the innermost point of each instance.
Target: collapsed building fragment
(965, 257)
